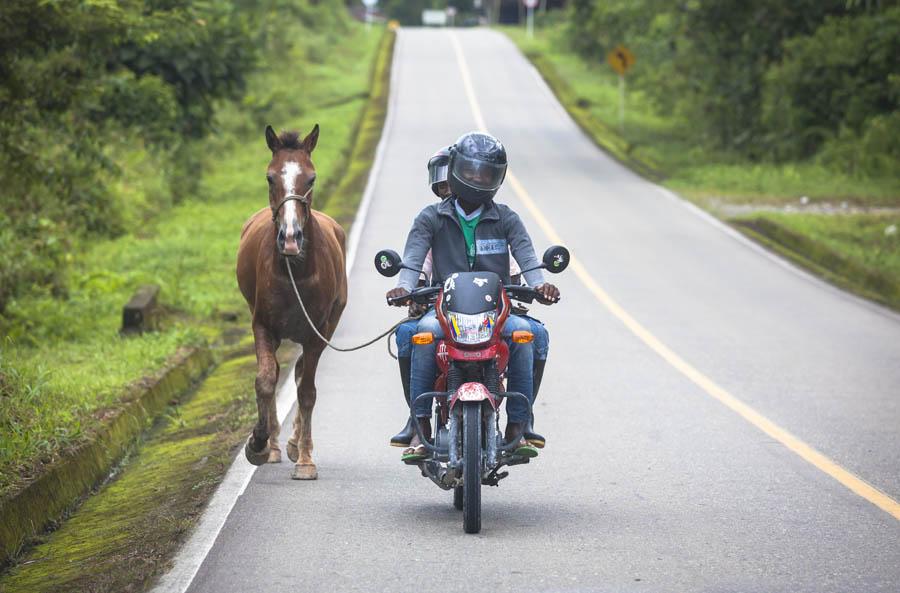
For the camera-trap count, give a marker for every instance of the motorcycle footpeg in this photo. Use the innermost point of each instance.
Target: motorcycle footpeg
(493, 479)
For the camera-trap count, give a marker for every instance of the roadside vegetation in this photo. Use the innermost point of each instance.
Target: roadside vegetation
(783, 119)
(63, 366)
(122, 537)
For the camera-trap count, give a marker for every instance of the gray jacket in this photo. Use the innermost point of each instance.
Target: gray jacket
(499, 231)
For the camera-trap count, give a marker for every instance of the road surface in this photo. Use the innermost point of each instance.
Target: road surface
(716, 420)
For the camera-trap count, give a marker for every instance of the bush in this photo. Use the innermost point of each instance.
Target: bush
(764, 80)
(76, 79)
(834, 86)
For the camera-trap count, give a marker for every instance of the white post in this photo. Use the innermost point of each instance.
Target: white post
(530, 21)
(622, 103)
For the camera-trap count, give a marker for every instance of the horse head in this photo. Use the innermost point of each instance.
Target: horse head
(291, 176)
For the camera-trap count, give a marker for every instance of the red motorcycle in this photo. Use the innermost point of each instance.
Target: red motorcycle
(468, 449)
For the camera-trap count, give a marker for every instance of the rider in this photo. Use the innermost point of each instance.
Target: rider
(487, 231)
(437, 179)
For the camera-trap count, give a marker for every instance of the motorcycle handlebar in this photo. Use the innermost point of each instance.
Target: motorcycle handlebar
(526, 294)
(426, 295)
(423, 296)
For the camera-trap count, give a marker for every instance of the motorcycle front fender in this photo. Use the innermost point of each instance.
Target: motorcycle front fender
(472, 392)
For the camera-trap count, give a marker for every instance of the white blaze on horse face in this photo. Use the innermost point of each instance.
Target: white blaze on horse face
(289, 173)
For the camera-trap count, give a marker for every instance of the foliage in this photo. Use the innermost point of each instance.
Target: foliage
(760, 79)
(62, 362)
(839, 85)
(835, 214)
(660, 144)
(83, 82)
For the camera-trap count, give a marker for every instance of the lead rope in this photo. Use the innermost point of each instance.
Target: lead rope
(390, 331)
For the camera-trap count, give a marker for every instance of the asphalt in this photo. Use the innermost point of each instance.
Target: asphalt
(647, 483)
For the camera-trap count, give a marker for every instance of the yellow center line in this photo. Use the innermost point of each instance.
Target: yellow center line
(849, 480)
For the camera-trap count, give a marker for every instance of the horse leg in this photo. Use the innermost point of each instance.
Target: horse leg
(257, 448)
(274, 429)
(293, 450)
(305, 469)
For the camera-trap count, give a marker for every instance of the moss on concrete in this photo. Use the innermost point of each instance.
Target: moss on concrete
(33, 507)
(122, 537)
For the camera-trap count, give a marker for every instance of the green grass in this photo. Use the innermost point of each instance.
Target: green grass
(62, 362)
(848, 249)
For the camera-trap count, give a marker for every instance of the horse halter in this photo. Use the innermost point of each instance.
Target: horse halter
(288, 198)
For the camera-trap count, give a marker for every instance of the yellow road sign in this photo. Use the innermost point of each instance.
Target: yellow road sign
(621, 59)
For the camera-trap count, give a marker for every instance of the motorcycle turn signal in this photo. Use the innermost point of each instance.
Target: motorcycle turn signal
(522, 336)
(423, 338)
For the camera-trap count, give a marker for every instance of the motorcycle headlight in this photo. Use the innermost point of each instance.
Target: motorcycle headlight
(472, 329)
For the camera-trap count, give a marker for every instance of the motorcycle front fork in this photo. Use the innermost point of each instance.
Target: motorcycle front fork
(491, 434)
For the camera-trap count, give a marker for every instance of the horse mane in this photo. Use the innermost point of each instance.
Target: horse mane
(291, 140)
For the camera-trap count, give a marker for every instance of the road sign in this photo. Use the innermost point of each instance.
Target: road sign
(370, 3)
(530, 3)
(621, 59)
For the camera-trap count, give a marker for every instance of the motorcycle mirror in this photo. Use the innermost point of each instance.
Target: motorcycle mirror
(388, 263)
(556, 259)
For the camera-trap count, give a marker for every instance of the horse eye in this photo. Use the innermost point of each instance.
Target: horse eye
(312, 182)
(270, 178)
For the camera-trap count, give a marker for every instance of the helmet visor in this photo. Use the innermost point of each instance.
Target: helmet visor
(437, 173)
(477, 173)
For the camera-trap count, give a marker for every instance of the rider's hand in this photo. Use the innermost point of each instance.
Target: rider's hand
(547, 293)
(397, 293)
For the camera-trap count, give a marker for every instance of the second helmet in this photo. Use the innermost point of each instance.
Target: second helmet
(437, 169)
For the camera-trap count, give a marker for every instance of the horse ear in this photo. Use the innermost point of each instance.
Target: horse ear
(309, 143)
(272, 139)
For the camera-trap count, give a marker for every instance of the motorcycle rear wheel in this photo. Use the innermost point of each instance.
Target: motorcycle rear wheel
(472, 467)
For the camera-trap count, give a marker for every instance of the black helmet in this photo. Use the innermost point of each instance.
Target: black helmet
(477, 167)
(437, 169)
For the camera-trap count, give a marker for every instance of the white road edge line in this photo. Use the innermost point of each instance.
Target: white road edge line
(771, 255)
(191, 556)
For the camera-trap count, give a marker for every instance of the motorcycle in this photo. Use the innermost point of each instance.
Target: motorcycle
(468, 449)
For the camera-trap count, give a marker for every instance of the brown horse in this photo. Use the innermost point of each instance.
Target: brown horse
(312, 243)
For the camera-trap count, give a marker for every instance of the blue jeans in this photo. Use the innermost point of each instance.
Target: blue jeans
(519, 370)
(404, 336)
(541, 343)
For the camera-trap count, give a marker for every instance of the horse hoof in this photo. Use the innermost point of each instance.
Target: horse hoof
(275, 455)
(305, 472)
(293, 451)
(256, 457)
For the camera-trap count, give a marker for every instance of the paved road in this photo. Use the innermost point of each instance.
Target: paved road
(648, 483)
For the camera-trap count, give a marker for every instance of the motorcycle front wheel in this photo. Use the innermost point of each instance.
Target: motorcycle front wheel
(472, 467)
